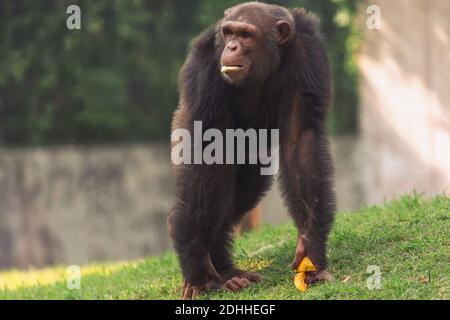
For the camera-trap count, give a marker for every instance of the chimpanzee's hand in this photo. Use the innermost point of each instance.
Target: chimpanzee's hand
(189, 291)
(300, 252)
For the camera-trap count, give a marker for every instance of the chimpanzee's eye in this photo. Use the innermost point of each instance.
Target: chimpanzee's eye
(246, 34)
(227, 32)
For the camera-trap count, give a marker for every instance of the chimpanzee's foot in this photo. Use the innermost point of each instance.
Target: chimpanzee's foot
(235, 279)
(317, 277)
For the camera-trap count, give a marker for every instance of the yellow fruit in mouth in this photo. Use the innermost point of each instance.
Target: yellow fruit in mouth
(226, 69)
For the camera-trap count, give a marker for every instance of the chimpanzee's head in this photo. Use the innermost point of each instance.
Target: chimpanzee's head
(251, 36)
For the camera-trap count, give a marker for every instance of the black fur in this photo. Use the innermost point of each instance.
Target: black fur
(211, 199)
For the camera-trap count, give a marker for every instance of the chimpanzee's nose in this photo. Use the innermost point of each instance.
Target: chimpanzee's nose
(232, 46)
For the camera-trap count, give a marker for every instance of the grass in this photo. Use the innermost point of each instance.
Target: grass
(409, 239)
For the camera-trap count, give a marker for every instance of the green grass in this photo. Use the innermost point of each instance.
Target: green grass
(409, 239)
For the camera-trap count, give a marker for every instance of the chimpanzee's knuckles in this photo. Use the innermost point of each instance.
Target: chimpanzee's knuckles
(317, 277)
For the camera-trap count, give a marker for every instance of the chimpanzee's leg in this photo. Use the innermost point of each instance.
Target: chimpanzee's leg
(250, 188)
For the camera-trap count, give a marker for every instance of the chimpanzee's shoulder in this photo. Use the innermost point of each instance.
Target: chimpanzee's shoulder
(204, 44)
(305, 22)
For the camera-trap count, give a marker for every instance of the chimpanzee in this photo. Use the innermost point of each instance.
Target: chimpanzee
(263, 67)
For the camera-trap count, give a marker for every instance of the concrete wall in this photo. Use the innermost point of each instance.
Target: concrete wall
(67, 205)
(76, 205)
(405, 99)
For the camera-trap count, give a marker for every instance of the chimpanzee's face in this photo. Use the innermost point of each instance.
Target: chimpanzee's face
(251, 52)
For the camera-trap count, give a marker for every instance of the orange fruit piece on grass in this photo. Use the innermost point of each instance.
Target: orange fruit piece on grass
(306, 266)
(299, 280)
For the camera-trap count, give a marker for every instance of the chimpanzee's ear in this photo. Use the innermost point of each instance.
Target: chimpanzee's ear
(284, 31)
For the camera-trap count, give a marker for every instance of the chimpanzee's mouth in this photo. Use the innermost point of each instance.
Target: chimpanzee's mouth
(231, 68)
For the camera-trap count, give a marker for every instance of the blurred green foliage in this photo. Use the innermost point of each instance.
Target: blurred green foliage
(115, 79)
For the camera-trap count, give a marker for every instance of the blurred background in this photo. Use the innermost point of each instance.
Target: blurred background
(85, 116)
